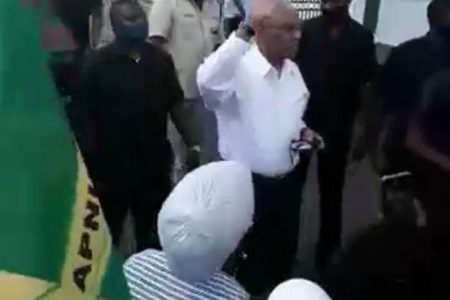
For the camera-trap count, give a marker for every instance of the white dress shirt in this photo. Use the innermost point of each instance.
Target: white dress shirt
(259, 110)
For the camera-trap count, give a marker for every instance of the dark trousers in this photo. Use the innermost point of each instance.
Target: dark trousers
(332, 162)
(144, 202)
(271, 245)
(433, 192)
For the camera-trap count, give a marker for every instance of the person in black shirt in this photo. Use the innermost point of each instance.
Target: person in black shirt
(403, 76)
(428, 139)
(337, 60)
(415, 85)
(129, 89)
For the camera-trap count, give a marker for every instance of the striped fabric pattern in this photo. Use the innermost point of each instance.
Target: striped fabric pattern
(149, 278)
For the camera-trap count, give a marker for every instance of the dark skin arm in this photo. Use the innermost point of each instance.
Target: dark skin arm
(181, 114)
(416, 142)
(369, 111)
(183, 117)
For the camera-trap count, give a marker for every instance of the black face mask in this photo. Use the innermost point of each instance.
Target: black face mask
(131, 35)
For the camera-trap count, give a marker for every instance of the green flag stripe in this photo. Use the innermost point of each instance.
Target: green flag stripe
(44, 220)
(38, 158)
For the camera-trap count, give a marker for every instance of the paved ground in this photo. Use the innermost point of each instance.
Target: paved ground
(361, 200)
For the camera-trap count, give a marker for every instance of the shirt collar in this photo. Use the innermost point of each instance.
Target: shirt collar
(261, 64)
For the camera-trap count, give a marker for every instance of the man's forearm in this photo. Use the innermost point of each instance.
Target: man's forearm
(183, 117)
(416, 142)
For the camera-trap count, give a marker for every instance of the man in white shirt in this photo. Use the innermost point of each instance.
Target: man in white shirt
(259, 98)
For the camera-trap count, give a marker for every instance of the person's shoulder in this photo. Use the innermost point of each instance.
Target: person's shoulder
(230, 285)
(162, 59)
(410, 52)
(156, 51)
(145, 257)
(361, 30)
(415, 45)
(101, 55)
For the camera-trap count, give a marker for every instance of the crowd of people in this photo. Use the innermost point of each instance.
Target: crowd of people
(254, 93)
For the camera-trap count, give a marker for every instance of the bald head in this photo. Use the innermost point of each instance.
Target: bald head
(277, 27)
(266, 9)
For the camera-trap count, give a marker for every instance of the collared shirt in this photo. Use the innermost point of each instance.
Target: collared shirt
(150, 278)
(123, 113)
(191, 35)
(335, 72)
(259, 110)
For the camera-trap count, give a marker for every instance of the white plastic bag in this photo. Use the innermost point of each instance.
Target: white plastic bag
(205, 218)
(299, 289)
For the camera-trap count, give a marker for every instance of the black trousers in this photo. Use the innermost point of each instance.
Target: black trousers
(332, 163)
(433, 192)
(144, 202)
(271, 245)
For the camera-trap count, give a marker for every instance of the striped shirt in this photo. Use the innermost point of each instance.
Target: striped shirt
(149, 278)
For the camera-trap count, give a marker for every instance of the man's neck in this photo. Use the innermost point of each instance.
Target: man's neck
(337, 25)
(337, 22)
(276, 62)
(131, 51)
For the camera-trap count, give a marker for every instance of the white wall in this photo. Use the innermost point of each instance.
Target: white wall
(399, 20)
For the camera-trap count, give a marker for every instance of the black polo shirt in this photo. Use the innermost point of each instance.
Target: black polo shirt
(124, 111)
(433, 113)
(335, 72)
(403, 78)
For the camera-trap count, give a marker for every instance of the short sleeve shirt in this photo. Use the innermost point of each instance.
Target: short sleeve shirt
(191, 35)
(434, 110)
(150, 278)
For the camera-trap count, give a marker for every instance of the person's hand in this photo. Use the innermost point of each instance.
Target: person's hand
(192, 158)
(311, 137)
(307, 135)
(244, 32)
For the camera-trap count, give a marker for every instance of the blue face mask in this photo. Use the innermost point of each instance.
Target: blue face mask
(131, 34)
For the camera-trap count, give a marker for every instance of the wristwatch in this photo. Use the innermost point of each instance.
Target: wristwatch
(248, 30)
